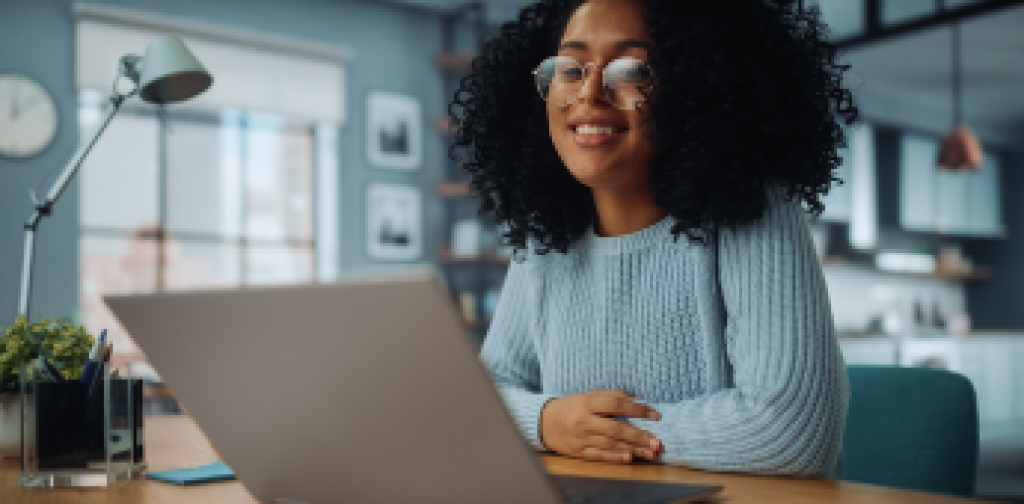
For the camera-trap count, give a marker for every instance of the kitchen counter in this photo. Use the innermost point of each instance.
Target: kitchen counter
(973, 335)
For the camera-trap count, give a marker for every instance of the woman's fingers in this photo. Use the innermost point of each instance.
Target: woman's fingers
(608, 444)
(599, 455)
(624, 432)
(580, 425)
(621, 405)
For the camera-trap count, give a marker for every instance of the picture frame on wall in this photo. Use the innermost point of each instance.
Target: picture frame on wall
(394, 222)
(394, 131)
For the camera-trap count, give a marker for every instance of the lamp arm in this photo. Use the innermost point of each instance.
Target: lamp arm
(43, 208)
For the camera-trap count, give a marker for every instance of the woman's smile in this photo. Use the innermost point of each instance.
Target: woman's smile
(595, 131)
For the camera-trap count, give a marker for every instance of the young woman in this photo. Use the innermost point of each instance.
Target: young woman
(602, 131)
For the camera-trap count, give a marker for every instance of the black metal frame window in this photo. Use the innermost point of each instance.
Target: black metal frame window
(192, 200)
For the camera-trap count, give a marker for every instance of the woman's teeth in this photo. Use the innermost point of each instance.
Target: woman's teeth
(587, 129)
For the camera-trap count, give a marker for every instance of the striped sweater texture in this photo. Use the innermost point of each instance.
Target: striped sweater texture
(732, 342)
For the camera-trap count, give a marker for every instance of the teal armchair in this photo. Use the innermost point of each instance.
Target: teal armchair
(912, 428)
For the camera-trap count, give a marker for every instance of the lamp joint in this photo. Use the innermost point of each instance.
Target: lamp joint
(128, 66)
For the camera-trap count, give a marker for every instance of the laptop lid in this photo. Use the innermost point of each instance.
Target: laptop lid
(363, 390)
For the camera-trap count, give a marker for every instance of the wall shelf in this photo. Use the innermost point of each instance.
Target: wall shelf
(474, 280)
(445, 124)
(973, 273)
(455, 189)
(445, 255)
(829, 260)
(458, 61)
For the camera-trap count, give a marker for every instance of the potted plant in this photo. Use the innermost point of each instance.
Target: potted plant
(64, 344)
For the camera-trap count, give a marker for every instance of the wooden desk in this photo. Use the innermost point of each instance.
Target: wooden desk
(176, 441)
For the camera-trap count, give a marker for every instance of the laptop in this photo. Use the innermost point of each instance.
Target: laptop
(366, 390)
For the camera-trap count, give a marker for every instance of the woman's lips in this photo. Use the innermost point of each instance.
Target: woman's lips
(596, 137)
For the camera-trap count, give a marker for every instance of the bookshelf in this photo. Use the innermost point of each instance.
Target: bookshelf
(468, 258)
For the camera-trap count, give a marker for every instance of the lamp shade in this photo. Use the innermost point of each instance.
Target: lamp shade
(960, 151)
(170, 73)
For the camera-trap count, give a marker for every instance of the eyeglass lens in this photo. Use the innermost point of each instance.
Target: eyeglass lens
(560, 81)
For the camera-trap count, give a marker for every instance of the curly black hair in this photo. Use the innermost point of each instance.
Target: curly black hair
(750, 95)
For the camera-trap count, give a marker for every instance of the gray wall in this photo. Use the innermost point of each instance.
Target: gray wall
(38, 41)
(394, 49)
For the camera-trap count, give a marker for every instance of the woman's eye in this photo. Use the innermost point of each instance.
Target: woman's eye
(634, 75)
(571, 73)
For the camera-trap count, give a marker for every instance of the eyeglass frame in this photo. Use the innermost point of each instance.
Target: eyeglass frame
(586, 76)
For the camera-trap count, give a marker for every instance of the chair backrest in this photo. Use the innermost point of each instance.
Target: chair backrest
(912, 428)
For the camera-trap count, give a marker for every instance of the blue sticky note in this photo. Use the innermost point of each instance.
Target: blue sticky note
(217, 471)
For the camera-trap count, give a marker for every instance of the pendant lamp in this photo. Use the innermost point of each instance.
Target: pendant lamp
(960, 149)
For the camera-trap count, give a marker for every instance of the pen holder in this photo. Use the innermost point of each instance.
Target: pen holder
(75, 435)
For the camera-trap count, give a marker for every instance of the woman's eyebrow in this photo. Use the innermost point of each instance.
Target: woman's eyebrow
(573, 44)
(621, 45)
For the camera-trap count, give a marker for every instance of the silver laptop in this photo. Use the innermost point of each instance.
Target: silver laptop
(361, 391)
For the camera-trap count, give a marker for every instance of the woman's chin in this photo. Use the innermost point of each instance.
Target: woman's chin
(599, 175)
(589, 178)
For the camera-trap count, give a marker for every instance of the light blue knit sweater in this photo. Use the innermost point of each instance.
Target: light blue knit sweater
(732, 343)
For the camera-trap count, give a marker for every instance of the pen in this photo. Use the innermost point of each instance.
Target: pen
(94, 355)
(107, 350)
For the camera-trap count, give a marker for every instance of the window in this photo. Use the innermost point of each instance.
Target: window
(230, 203)
(221, 194)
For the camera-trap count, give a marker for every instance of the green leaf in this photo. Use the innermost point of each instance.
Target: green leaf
(66, 344)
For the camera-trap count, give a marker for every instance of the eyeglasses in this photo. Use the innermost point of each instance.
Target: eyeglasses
(626, 81)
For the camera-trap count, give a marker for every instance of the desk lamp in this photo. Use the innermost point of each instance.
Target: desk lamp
(168, 73)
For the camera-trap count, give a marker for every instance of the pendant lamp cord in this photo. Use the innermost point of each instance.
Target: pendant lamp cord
(955, 40)
(954, 50)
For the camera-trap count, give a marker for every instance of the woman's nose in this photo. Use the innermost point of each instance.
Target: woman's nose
(593, 86)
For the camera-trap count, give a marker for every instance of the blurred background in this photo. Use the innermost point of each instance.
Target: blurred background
(320, 152)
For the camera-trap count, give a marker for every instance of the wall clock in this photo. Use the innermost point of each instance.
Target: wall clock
(28, 116)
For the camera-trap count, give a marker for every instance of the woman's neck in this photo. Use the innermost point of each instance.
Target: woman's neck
(625, 212)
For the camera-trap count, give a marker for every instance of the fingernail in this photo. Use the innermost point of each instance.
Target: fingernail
(626, 457)
(653, 415)
(648, 453)
(653, 444)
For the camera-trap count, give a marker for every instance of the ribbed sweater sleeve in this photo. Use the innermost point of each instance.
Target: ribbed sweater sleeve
(787, 407)
(509, 354)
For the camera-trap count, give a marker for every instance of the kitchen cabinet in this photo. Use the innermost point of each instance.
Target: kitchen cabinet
(983, 198)
(995, 377)
(1018, 384)
(947, 201)
(871, 351)
(939, 353)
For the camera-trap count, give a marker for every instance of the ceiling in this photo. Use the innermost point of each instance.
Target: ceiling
(907, 80)
(498, 11)
(910, 77)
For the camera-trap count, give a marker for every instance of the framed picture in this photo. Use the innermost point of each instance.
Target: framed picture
(394, 222)
(394, 131)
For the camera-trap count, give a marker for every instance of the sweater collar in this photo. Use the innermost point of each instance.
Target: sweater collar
(658, 232)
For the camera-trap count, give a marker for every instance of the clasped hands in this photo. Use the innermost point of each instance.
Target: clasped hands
(583, 426)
